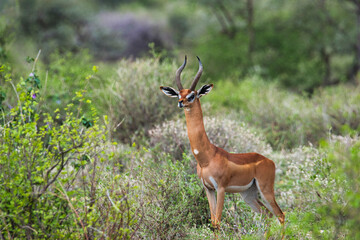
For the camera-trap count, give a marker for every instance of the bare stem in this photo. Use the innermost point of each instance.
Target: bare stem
(36, 59)
(17, 95)
(72, 208)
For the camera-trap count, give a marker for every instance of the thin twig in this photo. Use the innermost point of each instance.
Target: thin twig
(119, 124)
(72, 208)
(6, 228)
(108, 195)
(17, 95)
(35, 61)
(97, 230)
(28, 227)
(46, 79)
(3, 115)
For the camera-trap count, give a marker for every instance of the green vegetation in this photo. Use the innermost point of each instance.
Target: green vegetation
(63, 174)
(91, 149)
(289, 120)
(49, 168)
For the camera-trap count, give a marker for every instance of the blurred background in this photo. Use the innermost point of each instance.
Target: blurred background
(301, 44)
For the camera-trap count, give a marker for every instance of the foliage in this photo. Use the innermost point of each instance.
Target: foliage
(327, 205)
(6, 36)
(287, 119)
(172, 198)
(302, 45)
(50, 171)
(58, 26)
(223, 60)
(67, 74)
(339, 211)
(133, 100)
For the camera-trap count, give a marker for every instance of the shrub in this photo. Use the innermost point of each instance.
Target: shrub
(176, 199)
(234, 136)
(51, 173)
(133, 97)
(170, 196)
(288, 119)
(338, 212)
(67, 73)
(296, 170)
(319, 189)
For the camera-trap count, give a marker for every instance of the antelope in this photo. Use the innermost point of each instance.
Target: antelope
(249, 174)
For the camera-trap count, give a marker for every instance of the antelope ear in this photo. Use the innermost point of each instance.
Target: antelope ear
(170, 92)
(204, 90)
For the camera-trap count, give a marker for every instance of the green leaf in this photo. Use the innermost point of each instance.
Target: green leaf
(30, 59)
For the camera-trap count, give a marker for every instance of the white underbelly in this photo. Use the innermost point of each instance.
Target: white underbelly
(236, 189)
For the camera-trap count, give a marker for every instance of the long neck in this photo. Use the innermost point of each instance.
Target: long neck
(200, 144)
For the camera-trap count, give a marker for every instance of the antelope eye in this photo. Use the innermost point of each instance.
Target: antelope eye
(190, 97)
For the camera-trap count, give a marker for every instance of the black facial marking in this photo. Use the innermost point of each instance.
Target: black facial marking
(190, 97)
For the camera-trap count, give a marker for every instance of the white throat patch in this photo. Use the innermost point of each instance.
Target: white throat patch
(196, 152)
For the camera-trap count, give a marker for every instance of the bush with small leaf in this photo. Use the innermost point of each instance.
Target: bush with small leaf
(133, 100)
(172, 197)
(50, 171)
(288, 119)
(338, 214)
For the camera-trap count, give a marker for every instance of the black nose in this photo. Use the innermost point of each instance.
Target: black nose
(180, 104)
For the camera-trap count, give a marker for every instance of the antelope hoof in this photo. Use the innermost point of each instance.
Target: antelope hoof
(215, 226)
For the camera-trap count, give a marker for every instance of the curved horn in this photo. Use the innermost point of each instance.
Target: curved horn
(178, 73)
(198, 75)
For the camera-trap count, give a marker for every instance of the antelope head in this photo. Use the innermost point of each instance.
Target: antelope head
(187, 96)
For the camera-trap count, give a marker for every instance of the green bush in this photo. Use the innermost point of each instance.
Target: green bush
(179, 199)
(170, 198)
(321, 191)
(66, 74)
(220, 57)
(288, 119)
(262, 40)
(339, 211)
(133, 99)
(51, 173)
